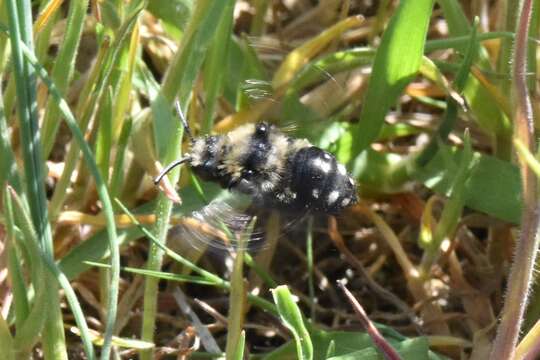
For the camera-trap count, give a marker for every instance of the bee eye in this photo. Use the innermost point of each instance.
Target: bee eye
(261, 129)
(248, 174)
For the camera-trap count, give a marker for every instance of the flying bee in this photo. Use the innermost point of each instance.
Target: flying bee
(276, 171)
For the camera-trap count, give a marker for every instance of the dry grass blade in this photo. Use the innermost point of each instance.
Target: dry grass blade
(207, 339)
(520, 278)
(388, 351)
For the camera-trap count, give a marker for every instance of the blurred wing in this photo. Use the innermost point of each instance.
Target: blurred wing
(257, 90)
(228, 224)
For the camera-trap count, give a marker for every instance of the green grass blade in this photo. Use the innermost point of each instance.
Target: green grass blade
(28, 333)
(159, 274)
(100, 184)
(43, 33)
(6, 340)
(240, 347)
(292, 318)
(8, 167)
(125, 86)
(20, 298)
(396, 63)
(258, 22)
(102, 192)
(451, 113)
(85, 102)
(20, 25)
(237, 303)
(215, 62)
(490, 118)
(460, 42)
(259, 270)
(104, 135)
(92, 96)
(117, 174)
(33, 167)
(174, 13)
(452, 210)
(62, 71)
(168, 133)
(454, 15)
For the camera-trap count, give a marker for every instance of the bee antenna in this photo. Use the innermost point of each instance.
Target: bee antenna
(169, 167)
(183, 119)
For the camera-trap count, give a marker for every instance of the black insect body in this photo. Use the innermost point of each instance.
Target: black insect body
(275, 170)
(320, 182)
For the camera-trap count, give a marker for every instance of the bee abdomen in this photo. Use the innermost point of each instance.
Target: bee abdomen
(318, 182)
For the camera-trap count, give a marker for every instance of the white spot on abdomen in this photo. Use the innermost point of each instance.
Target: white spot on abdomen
(332, 197)
(315, 193)
(323, 165)
(345, 202)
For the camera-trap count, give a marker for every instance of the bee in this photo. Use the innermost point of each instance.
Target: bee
(276, 171)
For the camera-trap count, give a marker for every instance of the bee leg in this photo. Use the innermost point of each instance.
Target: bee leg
(244, 186)
(232, 183)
